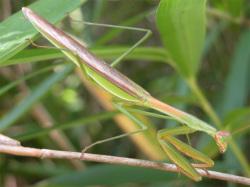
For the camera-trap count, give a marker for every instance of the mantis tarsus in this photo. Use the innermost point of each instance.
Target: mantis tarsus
(127, 91)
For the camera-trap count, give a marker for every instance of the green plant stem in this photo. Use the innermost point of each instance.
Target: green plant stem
(204, 102)
(192, 82)
(242, 159)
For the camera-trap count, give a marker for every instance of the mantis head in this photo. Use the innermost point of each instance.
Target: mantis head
(221, 140)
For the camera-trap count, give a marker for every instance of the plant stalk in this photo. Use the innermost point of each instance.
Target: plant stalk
(204, 102)
(214, 117)
(46, 153)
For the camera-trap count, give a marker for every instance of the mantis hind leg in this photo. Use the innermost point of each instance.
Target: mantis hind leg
(172, 146)
(142, 126)
(146, 35)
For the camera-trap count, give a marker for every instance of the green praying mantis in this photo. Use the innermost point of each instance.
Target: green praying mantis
(128, 92)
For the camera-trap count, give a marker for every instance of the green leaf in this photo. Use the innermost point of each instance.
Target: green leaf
(182, 28)
(236, 90)
(235, 7)
(238, 120)
(213, 36)
(33, 55)
(15, 30)
(79, 122)
(235, 93)
(11, 117)
(11, 85)
(108, 175)
(35, 169)
(155, 54)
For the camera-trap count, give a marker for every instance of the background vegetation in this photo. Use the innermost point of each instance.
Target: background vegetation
(44, 102)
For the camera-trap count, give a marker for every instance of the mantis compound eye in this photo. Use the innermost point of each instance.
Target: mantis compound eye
(221, 140)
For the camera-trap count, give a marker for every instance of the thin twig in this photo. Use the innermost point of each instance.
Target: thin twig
(46, 153)
(223, 15)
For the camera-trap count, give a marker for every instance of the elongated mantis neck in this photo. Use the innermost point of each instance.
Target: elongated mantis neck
(165, 108)
(181, 116)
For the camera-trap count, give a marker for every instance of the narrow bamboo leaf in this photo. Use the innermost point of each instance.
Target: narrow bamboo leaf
(235, 93)
(238, 121)
(213, 36)
(36, 169)
(154, 54)
(33, 55)
(78, 122)
(182, 28)
(107, 175)
(236, 87)
(18, 111)
(15, 30)
(11, 85)
(235, 7)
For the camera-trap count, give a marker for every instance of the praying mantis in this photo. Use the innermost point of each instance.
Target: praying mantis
(128, 92)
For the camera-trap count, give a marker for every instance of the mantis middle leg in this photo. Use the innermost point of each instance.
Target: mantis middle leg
(141, 125)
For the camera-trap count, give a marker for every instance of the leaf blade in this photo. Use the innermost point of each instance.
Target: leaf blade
(23, 106)
(15, 30)
(182, 27)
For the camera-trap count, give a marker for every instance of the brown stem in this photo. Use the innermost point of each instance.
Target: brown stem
(46, 153)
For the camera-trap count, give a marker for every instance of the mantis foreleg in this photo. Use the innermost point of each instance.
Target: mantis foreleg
(170, 145)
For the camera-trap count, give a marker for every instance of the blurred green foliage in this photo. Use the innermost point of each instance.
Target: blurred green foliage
(36, 83)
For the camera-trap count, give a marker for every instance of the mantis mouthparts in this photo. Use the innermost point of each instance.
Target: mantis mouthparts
(221, 140)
